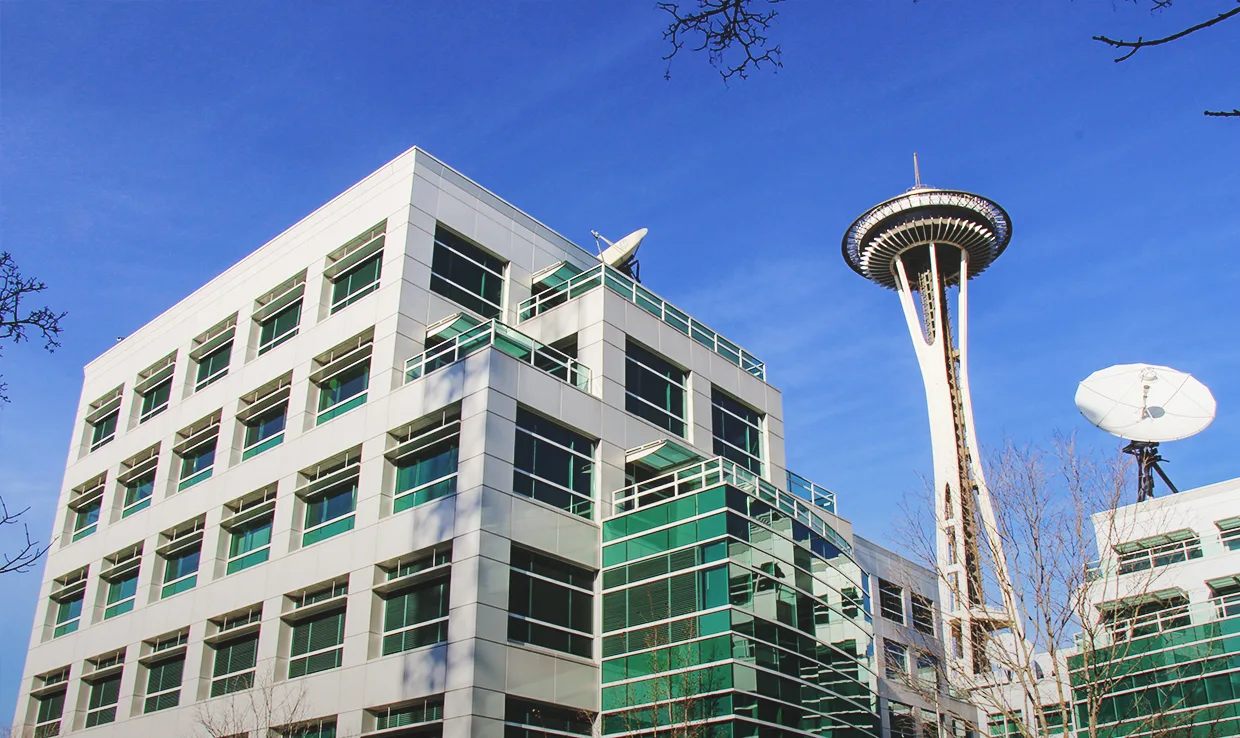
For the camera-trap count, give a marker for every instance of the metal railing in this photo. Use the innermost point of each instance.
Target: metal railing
(1171, 618)
(816, 495)
(713, 472)
(511, 342)
(630, 290)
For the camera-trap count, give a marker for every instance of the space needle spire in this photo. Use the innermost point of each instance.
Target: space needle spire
(920, 244)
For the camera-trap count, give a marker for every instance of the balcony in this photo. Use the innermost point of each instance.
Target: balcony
(1175, 616)
(514, 343)
(711, 473)
(630, 290)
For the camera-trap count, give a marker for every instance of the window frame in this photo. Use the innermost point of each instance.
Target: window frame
(535, 558)
(145, 413)
(43, 724)
(148, 696)
(342, 523)
(582, 503)
(123, 604)
(62, 627)
(340, 302)
(240, 679)
(250, 449)
(438, 575)
(98, 441)
(320, 615)
(278, 338)
(719, 401)
(215, 374)
(895, 660)
(415, 448)
(242, 560)
(634, 362)
(483, 306)
(886, 591)
(179, 584)
(95, 713)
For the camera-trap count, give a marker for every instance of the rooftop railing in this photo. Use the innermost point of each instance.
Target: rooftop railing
(630, 290)
(1170, 618)
(512, 342)
(713, 472)
(818, 496)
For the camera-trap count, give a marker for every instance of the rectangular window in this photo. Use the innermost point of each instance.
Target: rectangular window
(654, 389)
(1158, 551)
(895, 660)
(529, 719)
(356, 283)
(86, 518)
(416, 617)
(181, 570)
(196, 448)
(68, 613)
(233, 670)
(344, 391)
(264, 431)
(104, 694)
(163, 684)
(467, 275)
(1003, 725)
(426, 462)
(155, 400)
(1229, 533)
(317, 644)
(122, 593)
(903, 720)
(553, 464)
(278, 328)
(737, 431)
(249, 543)
(213, 366)
(550, 604)
(927, 671)
(138, 494)
(923, 614)
(410, 715)
(47, 716)
(330, 513)
(103, 430)
(891, 601)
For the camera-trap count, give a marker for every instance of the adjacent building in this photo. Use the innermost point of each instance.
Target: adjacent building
(420, 466)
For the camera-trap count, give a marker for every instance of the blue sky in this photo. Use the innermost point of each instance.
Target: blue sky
(149, 145)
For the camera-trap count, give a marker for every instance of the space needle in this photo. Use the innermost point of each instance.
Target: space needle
(920, 244)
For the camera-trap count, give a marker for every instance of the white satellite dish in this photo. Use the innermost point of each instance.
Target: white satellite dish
(1146, 404)
(622, 253)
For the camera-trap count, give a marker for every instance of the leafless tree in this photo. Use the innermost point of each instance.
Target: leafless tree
(19, 323)
(268, 706)
(734, 34)
(1044, 500)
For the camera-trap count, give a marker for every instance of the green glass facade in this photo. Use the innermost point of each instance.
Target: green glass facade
(721, 609)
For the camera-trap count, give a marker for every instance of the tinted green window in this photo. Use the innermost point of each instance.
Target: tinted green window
(68, 614)
(737, 431)
(466, 274)
(550, 604)
(138, 494)
(156, 399)
(196, 465)
(50, 710)
(104, 694)
(86, 520)
(250, 544)
(553, 464)
(422, 712)
(121, 594)
(316, 644)
(233, 670)
(529, 719)
(180, 570)
(163, 685)
(279, 327)
(426, 474)
(654, 389)
(104, 430)
(214, 365)
(406, 612)
(356, 283)
(332, 505)
(344, 386)
(264, 431)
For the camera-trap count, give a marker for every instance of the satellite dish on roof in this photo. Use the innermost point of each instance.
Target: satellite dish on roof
(622, 254)
(1146, 404)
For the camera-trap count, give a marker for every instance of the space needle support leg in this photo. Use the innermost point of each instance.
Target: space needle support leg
(994, 540)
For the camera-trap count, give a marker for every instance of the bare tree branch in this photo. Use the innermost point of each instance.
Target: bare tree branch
(1141, 43)
(29, 553)
(732, 33)
(16, 325)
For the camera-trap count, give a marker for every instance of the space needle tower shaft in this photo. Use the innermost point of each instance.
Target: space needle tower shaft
(920, 244)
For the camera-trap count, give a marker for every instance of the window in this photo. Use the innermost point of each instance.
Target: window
(427, 712)
(529, 719)
(923, 614)
(122, 593)
(196, 448)
(264, 431)
(891, 601)
(343, 377)
(416, 616)
(163, 684)
(467, 275)
(654, 389)
(138, 494)
(927, 671)
(553, 464)
(104, 694)
(737, 431)
(903, 721)
(330, 496)
(1158, 551)
(550, 604)
(1229, 533)
(1003, 725)
(101, 417)
(137, 480)
(181, 566)
(895, 660)
(1052, 718)
(356, 283)
(248, 523)
(154, 387)
(317, 644)
(213, 350)
(233, 670)
(426, 460)
(85, 504)
(67, 602)
(280, 327)
(50, 709)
